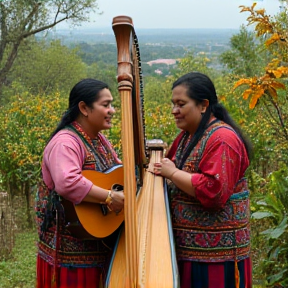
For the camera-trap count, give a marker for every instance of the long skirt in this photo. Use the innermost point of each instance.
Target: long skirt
(67, 277)
(214, 275)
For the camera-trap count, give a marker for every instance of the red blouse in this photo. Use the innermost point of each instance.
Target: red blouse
(213, 226)
(223, 163)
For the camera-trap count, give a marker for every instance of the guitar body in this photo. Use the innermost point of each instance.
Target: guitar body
(90, 214)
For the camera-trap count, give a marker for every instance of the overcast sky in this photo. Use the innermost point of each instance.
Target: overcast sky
(179, 13)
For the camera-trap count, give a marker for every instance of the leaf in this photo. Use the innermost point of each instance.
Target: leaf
(260, 12)
(277, 85)
(278, 231)
(247, 93)
(273, 92)
(244, 9)
(274, 253)
(255, 98)
(261, 215)
(241, 82)
(222, 98)
(277, 74)
(262, 203)
(262, 29)
(283, 70)
(275, 37)
(276, 277)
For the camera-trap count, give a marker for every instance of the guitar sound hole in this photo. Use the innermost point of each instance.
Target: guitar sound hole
(104, 209)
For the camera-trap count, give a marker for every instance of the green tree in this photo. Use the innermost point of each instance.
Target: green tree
(21, 19)
(43, 67)
(245, 57)
(192, 62)
(104, 72)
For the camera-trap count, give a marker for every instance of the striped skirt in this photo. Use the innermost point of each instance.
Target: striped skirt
(215, 275)
(67, 277)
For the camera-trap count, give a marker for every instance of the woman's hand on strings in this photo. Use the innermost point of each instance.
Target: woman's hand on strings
(165, 168)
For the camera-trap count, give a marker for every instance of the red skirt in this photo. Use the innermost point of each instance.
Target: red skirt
(67, 277)
(215, 275)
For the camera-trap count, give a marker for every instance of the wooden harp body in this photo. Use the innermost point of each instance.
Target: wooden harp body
(144, 255)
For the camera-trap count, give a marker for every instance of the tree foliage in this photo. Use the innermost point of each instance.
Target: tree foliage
(43, 67)
(267, 95)
(277, 69)
(273, 205)
(159, 120)
(192, 62)
(21, 19)
(28, 120)
(245, 56)
(27, 123)
(267, 92)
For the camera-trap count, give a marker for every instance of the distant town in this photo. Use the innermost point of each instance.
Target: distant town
(160, 48)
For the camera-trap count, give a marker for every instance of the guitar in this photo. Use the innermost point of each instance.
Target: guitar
(91, 215)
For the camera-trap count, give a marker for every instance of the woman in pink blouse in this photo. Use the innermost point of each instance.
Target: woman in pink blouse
(65, 259)
(209, 198)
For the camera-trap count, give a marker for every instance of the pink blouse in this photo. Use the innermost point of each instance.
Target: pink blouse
(62, 166)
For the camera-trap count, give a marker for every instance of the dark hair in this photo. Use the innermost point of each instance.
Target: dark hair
(87, 90)
(200, 87)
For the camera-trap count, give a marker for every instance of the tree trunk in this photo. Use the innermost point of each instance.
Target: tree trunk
(27, 197)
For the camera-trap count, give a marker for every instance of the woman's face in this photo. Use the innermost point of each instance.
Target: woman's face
(186, 111)
(100, 115)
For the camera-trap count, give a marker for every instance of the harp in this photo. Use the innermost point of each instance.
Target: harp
(144, 255)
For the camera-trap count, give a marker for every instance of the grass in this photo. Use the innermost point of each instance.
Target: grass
(19, 271)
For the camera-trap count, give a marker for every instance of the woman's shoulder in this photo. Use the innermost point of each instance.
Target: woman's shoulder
(66, 138)
(224, 133)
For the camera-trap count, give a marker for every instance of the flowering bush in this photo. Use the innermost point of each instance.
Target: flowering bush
(27, 123)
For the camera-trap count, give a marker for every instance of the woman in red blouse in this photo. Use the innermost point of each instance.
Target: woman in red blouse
(209, 198)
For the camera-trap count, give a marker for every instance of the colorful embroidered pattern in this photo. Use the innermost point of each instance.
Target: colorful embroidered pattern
(100, 155)
(73, 252)
(205, 235)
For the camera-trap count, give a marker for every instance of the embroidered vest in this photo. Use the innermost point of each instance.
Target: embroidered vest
(57, 245)
(210, 236)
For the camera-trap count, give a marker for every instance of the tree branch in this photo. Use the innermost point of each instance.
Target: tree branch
(9, 62)
(14, 29)
(279, 116)
(3, 41)
(35, 31)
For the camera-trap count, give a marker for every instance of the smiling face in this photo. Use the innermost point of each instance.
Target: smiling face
(98, 117)
(187, 111)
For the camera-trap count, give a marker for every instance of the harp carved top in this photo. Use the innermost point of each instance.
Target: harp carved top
(122, 19)
(124, 32)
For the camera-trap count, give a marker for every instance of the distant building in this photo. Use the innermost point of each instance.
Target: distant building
(162, 61)
(158, 71)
